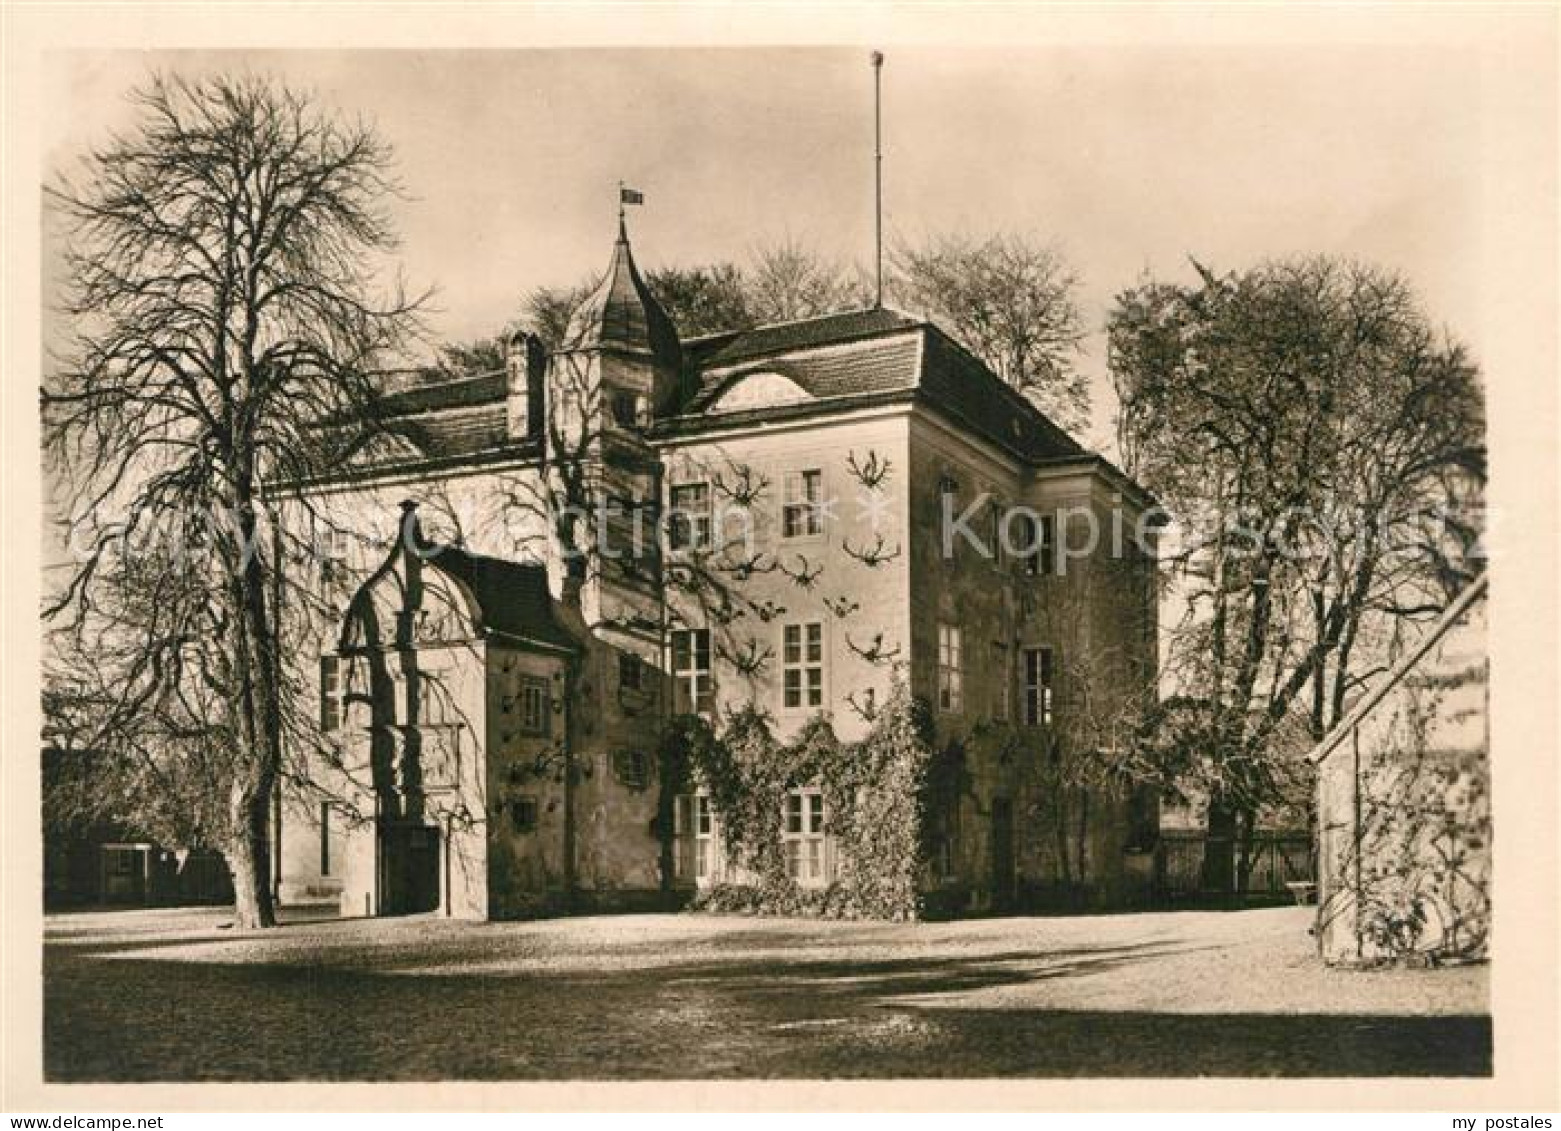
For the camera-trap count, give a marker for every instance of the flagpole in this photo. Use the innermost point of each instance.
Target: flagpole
(878, 172)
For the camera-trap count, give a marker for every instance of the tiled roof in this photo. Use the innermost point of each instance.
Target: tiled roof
(956, 381)
(622, 312)
(513, 596)
(873, 365)
(831, 329)
(869, 352)
(452, 433)
(839, 359)
(481, 388)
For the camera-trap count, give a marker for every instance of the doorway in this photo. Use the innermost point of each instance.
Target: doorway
(409, 869)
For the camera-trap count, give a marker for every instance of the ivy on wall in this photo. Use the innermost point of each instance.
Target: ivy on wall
(1418, 878)
(875, 793)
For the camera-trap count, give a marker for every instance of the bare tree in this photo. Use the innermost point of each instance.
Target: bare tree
(788, 281)
(1323, 449)
(705, 299)
(1012, 301)
(220, 294)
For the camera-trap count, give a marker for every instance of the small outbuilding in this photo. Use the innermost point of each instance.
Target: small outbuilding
(1403, 805)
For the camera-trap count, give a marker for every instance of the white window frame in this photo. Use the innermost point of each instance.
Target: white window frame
(803, 500)
(810, 669)
(533, 704)
(802, 831)
(1040, 685)
(693, 838)
(951, 674)
(693, 685)
(690, 529)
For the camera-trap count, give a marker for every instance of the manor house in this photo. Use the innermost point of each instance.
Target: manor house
(531, 572)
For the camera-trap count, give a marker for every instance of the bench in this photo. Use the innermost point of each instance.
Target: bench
(1305, 891)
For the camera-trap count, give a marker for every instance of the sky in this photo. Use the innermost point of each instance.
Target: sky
(1129, 158)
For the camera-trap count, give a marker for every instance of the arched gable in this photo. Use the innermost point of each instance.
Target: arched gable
(760, 389)
(406, 603)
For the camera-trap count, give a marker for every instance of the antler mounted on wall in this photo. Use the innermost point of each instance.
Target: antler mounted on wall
(841, 606)
(875, 555)
(866, 707)
(869, 472)
(750, 660)
(804, 574)
(744, 568)
(743, 485)
(875, 653)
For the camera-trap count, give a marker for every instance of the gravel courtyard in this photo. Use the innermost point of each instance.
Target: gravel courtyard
(171, 995)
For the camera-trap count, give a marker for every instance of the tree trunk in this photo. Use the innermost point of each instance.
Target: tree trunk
(249, 862)
(1245, 819)
(259, 719)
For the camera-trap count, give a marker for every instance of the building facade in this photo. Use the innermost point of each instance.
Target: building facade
(538, 569)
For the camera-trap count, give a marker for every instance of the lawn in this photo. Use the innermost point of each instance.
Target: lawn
(171, 995)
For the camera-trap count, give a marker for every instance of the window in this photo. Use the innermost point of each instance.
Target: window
(632, 768)
(628, 409)
(523, 812)
(1046, 551)
(803, 513)
(693, 834)
(1038, 686)
(950, 677)
(802, 665)
(536, 713)
(631, 672)
(690, 527)
(1037, 542)
(330, 693)
(805, 836)
(694, 693)
(325, 838)
(1002, 681)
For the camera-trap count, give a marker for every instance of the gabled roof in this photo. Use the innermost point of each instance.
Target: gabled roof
(717, 350)
(462, 392)
(513, 598)
(1476, 590)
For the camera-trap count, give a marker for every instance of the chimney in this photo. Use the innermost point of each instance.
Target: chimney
(524, 363)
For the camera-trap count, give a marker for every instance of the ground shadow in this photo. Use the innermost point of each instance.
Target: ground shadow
(133, 1018)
